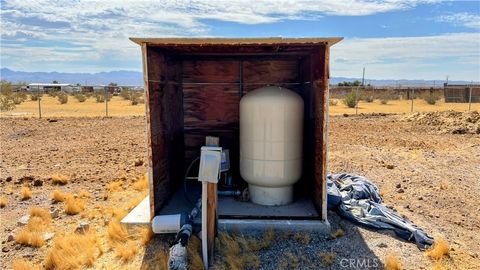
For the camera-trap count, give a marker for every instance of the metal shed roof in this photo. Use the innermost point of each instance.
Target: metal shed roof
(237, 41)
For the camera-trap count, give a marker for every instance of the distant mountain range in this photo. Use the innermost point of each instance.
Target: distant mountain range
(135, 78)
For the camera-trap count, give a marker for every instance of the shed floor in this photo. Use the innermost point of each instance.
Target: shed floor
(228, 207)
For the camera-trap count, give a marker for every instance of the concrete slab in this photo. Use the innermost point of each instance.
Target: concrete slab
(258, 225)
(140, 215)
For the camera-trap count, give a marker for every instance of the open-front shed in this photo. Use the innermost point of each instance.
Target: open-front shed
(193, 89)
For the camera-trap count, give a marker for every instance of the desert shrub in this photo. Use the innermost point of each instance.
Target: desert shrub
(350, 100)
(62, 97)
(35, 96)
(7, 101)
(368, 99)
(80, 97)
(384, 100)
(52, 93)
(100, 96)
(125, 94)
(333, 102)
(19, 97)
(431, 98)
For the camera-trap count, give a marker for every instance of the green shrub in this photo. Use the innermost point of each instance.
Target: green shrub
(431, 98)
(6, 103)
(80, 97)
(100, 96)
(125, 94)
(35, 96)
(19, 97)
(350, 100)
(62, 97)
(368, 99)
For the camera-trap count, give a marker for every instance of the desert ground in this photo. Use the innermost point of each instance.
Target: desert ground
(426, 166)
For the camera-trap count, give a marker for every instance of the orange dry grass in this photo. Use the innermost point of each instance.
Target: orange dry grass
(41, 213)
(26, 193)
(115, 186)
(73, 251)
(117, 231)
(84, 194)
(145, 235)
(134, 202)
(3, 202)
(439, 250)
(59, 179)
(19, 264)
(74, 205)
(392, 262)
(193, 250)
(337, 233)
(126, 252)
(328, 258)
(141, 183)
(27, 237)
(58, 196)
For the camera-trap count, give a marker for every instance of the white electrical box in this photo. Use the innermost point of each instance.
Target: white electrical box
(210, 160)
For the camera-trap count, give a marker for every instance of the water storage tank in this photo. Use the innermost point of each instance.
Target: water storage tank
(271, 138)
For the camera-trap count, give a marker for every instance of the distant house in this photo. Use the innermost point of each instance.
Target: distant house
(460, 93)
(51, 87)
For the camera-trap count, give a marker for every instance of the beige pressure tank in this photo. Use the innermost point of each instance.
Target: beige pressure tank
(271, 138)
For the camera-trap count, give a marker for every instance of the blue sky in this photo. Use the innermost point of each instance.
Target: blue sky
(393, 39)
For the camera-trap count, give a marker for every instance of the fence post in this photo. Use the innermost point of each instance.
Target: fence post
(470, 98)
(413, 95)
(106, 102)
(39, 106)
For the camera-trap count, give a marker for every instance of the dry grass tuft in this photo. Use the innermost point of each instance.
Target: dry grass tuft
(392, 262)
(141, 183)
(30, 238)
(134, 202)
(41, 213)
(58, 196)
(19, 264)
(336, 234)
(127, 251)
(239, 253)
(328, 258)
(25, 193)
(117, 231)
(119, 214)
(439, 250)
(145, 235)
(194, 249)
(73, 205)
(84, 194)
(59, 179)
(438, 265)
(73, 251)
(3, 202)
(303, 238)
(115, 186)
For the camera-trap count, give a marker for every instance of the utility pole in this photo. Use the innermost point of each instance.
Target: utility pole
(106, 101)
(39, 106)
(356, 93)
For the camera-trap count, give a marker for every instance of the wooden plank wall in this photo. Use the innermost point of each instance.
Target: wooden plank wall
(164, 108)
(319, 74)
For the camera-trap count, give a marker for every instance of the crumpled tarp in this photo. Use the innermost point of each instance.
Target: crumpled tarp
(358, 199)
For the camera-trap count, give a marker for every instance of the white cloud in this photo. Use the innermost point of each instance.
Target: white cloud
(464, 18)
(94, 34)
(429, 57)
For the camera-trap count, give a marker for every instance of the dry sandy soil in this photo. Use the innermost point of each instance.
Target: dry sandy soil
(427, 174)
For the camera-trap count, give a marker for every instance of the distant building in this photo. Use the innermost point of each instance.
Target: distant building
(49, 87)
(460, 93)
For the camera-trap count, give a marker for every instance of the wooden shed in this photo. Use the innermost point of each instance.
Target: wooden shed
(193, 89)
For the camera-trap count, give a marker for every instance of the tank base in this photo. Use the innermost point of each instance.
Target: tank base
(272, 196)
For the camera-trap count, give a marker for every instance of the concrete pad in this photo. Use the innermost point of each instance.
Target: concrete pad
(140, 215)
(256, 225)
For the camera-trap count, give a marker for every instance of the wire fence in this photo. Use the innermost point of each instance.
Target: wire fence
(358, 99)
(107, 101)
(20, 100)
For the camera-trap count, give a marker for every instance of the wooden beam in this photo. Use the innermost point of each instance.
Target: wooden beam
(211, 207)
